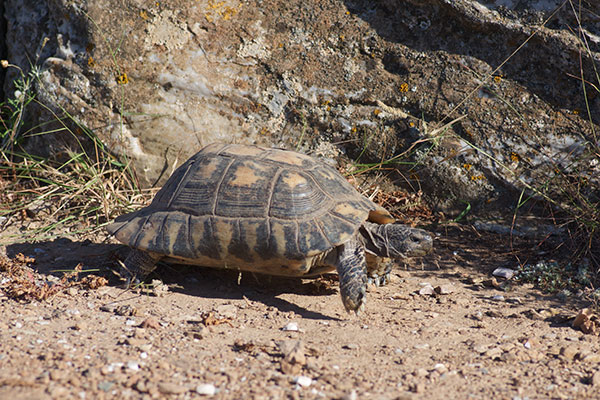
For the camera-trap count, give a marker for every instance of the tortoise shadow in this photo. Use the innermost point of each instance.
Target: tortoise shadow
(227, 284)
(454, 246)
(269, 299)
(62, 255)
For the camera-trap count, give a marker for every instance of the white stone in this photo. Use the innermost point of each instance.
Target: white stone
(505, 273)
(132, 365)
(303, 381)
(206, 389)
(292, 326)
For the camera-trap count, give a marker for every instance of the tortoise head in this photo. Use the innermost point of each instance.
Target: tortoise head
(396, 241)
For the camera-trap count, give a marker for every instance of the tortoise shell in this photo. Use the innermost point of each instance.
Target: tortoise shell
(250, 208)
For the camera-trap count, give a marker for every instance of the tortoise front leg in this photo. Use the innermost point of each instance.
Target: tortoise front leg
(138, 265)
(379, 269)
(352, 270)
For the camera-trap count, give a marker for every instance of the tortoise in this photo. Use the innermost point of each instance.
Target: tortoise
(268, 211)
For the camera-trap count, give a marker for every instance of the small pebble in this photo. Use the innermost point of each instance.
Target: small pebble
(58, 375)
(79, 326)
(293, 351)
(171, 388)
(303, 381)
(227, 311)
(102, 291)
(569, 352)
(564, 295)
(481, 349)
(150, 323)
(427, 290)
(444, 289)
(505, 273)
(159, 289)
(132, 365)
(596, 378)
(418, 387)
(60, 392)
(206, 389)
(498, 297)
(441, 368)
(350, 396)
(141, 386)
(592, 358)
(292, 327)
(493, 314)
(105, 386)
(494, 353)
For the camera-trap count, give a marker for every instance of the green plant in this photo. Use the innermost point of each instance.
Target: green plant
(11, 112)
(79, 191)
(553, 276)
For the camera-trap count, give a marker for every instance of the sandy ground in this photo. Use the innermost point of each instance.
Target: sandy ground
(211, 333)
(439, 330)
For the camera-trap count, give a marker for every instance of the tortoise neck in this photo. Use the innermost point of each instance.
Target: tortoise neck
(374, 238)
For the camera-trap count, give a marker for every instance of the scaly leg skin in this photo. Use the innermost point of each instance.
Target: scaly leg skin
(352, 270)
(379, 269)
(137, 266)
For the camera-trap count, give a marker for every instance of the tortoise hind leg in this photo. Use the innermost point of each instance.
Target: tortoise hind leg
(138, 265)
(352, 270)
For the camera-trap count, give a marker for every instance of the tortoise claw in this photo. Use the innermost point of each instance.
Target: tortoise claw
(132, 282)
(354, 300)
(360, 309)
(380, 280)
(128, 278)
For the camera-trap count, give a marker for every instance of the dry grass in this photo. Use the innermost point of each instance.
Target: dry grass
(81, 189)
(80, 192)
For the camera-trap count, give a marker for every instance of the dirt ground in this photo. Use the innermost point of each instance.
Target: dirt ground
(212, 333)
(441, 329)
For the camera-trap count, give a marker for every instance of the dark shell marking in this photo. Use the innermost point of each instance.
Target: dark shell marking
(245, 207)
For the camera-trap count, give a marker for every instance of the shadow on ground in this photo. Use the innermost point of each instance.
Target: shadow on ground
(62, 255)
(455, 247)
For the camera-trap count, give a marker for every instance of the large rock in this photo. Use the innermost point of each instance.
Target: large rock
(156, 81)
